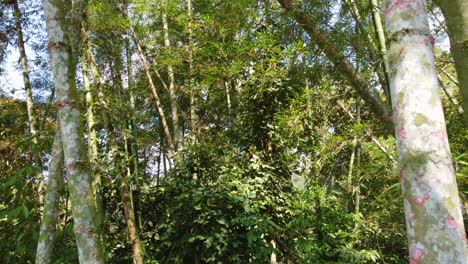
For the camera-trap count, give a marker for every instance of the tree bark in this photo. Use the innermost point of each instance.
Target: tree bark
(129, 211)
(456, 15)
(133, 129)
(172, 89)
(63, 21)
(92, 137)
(154, 92)
(47, 233)
(432, 207)
(29, 99)
(324, 42)
(193, 115)
(382, 45)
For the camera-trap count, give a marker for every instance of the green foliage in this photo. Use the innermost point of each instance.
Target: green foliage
(226, 205)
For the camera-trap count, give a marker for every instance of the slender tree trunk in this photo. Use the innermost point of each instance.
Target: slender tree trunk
(350, 172)
(456, 15)
(193, 115)
(86, 61)
(172, 89)
(452, 100)
(47, 233)
(343, 65)
(133, 143)
(63, 39)
(92, 137)
(382, 45)
(29, 99)
(273, 258)
(228, 96)
(154, 92)
(432, 207)
(129, 211)
(357, 193)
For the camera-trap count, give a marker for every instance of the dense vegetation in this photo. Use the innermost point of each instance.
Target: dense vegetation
(221, 127)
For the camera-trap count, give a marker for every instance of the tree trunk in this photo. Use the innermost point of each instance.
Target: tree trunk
(62, 47)
(47, 233)
(382, 45)
(432, 207)
(193, 115)
(29, 99)
(172, 89)
(133, 143)
(129, 211)
(357, 193)
(456, 15)
(154, 92)
(87, 62)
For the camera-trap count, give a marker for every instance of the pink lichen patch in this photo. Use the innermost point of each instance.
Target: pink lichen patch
(431, 39)
(420, 201)
(410, 217)
(402, 5)
(438, 134)
(452, 223)
(416, 255)
(402, 133)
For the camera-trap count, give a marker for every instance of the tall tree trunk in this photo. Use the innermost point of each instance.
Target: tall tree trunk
(29, 99)
(456, 15)
(154, 92)
(323, 41)
(193, 115)
(172, 89)
(86, 62)
(129, 211)
(432, 207)
(47, 233)
(63, 39)
(133, 143)
(357, 192)
(382, 45)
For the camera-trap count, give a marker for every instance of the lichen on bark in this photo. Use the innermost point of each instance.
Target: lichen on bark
(433, 217)
(62, 18)
(47, 233)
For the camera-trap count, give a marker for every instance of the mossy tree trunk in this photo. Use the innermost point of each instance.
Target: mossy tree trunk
(93, 153)
(456, 16)
(63, 19)
(432, 207)
(47, 233)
